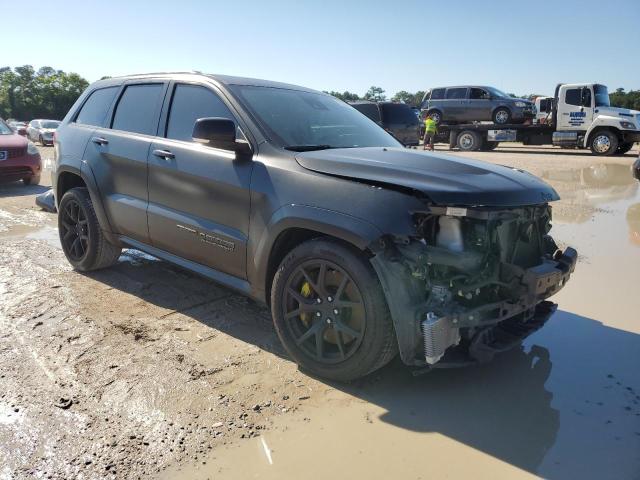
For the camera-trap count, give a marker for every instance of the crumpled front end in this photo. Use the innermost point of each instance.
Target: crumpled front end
(472, 281)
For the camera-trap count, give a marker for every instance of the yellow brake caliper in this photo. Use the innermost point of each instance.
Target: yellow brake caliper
(306, 293)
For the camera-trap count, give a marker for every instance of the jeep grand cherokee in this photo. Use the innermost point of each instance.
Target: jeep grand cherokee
(361, 248)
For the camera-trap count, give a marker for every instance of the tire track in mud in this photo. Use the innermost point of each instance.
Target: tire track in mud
(127, 371)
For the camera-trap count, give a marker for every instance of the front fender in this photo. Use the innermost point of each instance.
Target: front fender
(352, 230)
(600, 122)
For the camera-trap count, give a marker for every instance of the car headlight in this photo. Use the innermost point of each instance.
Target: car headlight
(628, 125)
(520, 104)
(32, 149)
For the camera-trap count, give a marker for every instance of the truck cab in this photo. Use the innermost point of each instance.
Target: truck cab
(583, 117)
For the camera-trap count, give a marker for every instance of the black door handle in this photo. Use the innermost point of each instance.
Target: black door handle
(100, 141)
(165, 154)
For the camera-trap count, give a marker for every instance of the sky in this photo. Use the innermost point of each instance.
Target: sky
(520, 47)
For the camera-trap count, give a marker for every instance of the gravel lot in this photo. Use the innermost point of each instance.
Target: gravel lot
(145, 370)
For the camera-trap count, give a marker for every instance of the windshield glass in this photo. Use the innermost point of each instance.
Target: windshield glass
(5, 129)
(295, 119)
(602, 96)
(50, 124)
(497, 93)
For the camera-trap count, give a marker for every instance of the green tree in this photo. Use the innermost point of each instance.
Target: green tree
(48, 93)
(375, 94)
(346, 96)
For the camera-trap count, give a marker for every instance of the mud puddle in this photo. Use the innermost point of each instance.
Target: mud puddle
(565, 405)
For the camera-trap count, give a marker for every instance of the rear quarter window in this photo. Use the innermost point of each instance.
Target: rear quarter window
(94, 110)
(137, 109)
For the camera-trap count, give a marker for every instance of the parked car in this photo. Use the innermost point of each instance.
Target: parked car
(360, 247)
(19, 158)
(19, 127)
(399, 119)
(475, 104)
(42, 131)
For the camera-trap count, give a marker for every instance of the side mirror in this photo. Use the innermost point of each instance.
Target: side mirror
(218, 133)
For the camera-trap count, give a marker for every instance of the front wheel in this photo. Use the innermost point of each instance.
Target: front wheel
(604, 142)
(502, 116)
(330, 312)
(83, 241)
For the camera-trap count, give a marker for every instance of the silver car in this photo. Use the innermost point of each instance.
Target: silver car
(42, 131)
(475, 104)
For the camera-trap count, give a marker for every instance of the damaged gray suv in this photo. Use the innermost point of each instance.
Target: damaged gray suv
(361, 248)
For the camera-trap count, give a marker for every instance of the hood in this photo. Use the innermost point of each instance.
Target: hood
(445, 179)
(46, 130)
(12, 141)
(621, 112)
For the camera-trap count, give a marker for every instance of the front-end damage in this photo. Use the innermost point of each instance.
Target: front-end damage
(470, 282)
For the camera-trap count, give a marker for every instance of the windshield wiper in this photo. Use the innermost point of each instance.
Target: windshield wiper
(307, 148)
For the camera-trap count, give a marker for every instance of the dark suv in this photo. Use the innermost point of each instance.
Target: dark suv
(360, 247)
(476, 104)
(399, 119)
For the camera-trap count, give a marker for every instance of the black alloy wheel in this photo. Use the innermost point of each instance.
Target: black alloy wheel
(74, 234)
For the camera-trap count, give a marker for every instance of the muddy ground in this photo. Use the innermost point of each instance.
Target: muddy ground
(145, 370)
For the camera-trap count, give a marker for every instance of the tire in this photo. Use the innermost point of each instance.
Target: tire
(341, 346)
(77, 222)
(501, 116)
(436, 116)
(603, 143)
(624, 148)
(469, 141)
(32, 180)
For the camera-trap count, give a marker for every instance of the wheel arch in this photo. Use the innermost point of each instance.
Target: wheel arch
(293, 225)
(595, 129)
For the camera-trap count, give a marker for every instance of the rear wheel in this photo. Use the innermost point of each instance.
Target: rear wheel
(502, 115)
(330, 312)
(604, 142)
(469, 141)
(624, 148)
(83, 241)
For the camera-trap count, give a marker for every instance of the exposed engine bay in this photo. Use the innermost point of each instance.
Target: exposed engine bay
(472, 282)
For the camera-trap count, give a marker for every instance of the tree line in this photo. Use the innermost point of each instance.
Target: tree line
(47, 93)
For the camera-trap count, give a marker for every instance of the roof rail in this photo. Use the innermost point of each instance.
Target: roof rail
(198, 72)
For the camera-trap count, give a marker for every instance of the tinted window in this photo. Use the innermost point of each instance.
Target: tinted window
(572, 96)
(478, 94)
(136, 110)
(393, 113)
(545, 105)
(369, 109)
(191, 102)
(437, 94)
(95, 108)
(456, 93)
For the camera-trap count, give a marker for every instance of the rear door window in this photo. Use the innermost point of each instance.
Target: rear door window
(393, 113)
(189, 103)
(95, 109)
(137, 109)
(456, 93)
(437, 94)
(369, 109)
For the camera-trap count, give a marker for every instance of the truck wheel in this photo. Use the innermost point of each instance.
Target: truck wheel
(469, 141)
(502, 115)
(436, 115)
(604, 142)
(624, 148)
(330, 312)
(83, 241)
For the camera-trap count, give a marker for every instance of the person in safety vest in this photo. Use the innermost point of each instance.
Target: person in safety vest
(430, 131)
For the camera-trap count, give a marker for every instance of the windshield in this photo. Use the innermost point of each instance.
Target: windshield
(50, 124)
(497, 93)
(5, 129)
(602, 96)
(300, 120)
